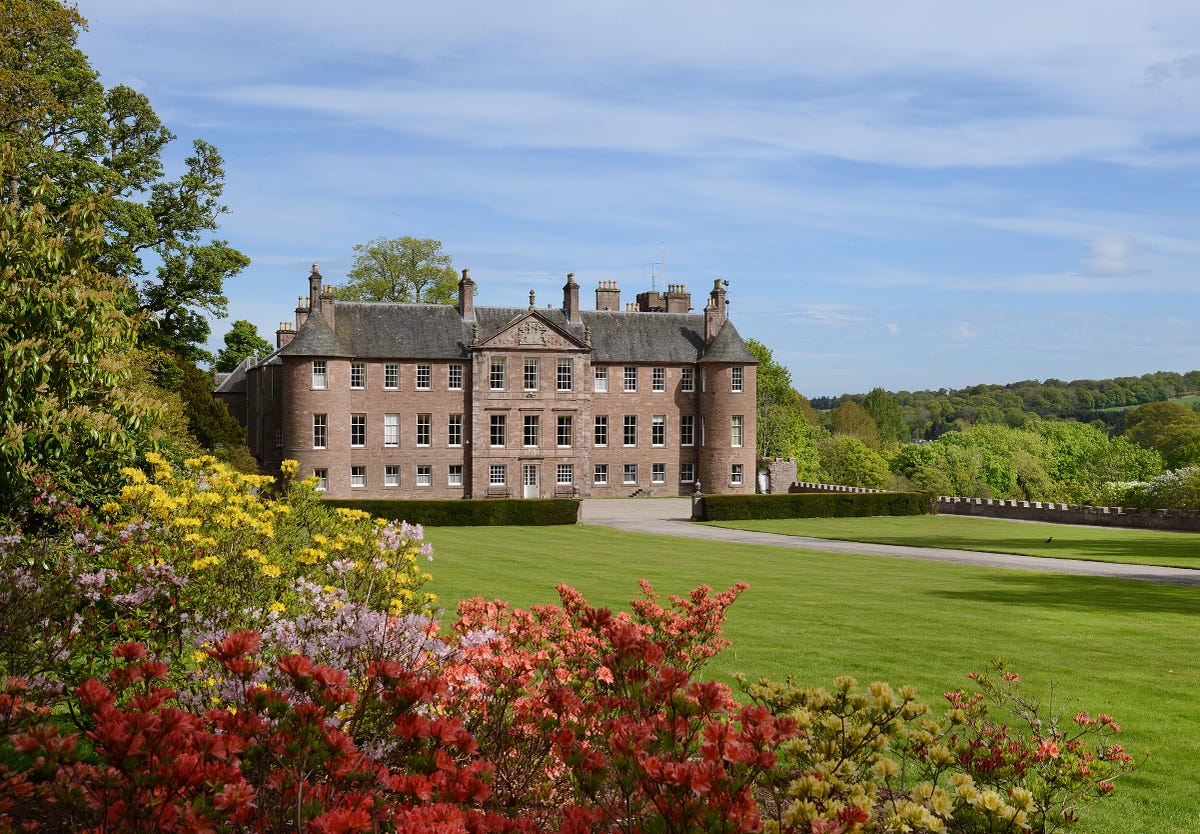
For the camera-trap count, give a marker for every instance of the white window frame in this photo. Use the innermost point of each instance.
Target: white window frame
(600, 474)
(454, 430)
(391, 430)
(687, 473)
(454, 475)
(531, 439)
(498, 475)
(498, 426)
(600, 429)
(658, 473)
(358, 375)
(630, 379)
(322, 476)
(358, 477)
(658, 430)
(564, 474)
(737, 430)
(532, 378)
(320, 432)
(454, 377)
(629, 473)
(687, 429)
(391, 475)
(358, 431)
(424, 380)
(600, 377)
(565, 376)
(658, 379)
(498, 374)
(424, 429)
(565, 429)
(424, 476)
(629, 429)
(320, 375)
(736, 473)
(687, 380)
(391, 376)
(737, 379)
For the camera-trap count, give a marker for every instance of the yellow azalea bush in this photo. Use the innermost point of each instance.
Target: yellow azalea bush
(875, 760)
(244, 541)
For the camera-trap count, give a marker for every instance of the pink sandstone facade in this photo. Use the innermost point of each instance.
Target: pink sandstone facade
(390, 400)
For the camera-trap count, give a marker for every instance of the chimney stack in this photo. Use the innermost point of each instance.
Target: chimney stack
(714, 313)
(284, 334)
(314, 289)
(679, 300)
(466, 296)
(571, 300)
(608, 296)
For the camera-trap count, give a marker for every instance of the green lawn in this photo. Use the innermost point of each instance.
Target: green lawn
(1127, 648)
(1097, 544)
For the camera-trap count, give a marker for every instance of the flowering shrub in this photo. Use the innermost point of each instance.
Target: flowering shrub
(875, 761)
(1178, 489)
(190, 556)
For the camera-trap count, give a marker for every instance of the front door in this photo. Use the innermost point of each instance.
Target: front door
(530, 479)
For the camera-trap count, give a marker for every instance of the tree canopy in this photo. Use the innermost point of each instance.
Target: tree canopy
(241, 341)
(106, 146)
(70, 412)
(787, 426)
(400, 269)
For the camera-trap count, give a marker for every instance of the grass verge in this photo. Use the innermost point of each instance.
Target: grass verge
(1056, 541)
(1122, 647)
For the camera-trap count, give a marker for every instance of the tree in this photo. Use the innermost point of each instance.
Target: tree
(784, 429)
(886, 414)
(847, 460)
(70, 411)
(1168, 428)
(401, 269)
(851, 418)
(241, 341)
(107, 146)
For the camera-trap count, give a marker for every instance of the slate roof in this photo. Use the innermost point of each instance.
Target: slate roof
(367, 330)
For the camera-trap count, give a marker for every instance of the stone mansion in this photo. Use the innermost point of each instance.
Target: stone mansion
(397, 400)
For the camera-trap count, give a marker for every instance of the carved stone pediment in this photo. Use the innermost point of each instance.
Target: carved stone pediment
(530, 331)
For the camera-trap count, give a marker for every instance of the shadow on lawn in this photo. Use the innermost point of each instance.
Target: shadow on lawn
(1182, 553)
(1081, 593)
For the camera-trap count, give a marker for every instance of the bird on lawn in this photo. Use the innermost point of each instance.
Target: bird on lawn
(1049, 540)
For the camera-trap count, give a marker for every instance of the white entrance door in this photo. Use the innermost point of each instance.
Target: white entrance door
(530, 479)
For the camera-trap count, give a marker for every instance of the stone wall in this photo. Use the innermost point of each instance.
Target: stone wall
(1165, 520)
(1168, 520)
(805, 486)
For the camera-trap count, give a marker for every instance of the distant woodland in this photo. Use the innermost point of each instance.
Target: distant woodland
(929, 414)
(1129, 441)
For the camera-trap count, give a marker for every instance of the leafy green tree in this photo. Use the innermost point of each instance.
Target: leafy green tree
(784, 429)
(241, 341)
(107, 146)
(70, 411)
(1169, 428)
(851, 418)
(847, 460)
(401, 269)
(889, 421)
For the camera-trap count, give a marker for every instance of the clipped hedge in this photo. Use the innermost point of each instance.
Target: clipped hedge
(815, 505)
(484, 512)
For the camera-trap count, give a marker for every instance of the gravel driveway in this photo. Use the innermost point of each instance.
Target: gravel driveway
(670, 517)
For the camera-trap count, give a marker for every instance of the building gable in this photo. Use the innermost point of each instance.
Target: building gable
(532, 331)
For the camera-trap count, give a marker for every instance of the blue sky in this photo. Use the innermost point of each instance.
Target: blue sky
(906, 195)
